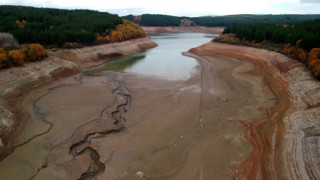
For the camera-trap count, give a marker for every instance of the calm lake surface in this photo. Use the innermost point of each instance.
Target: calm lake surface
(164, 61)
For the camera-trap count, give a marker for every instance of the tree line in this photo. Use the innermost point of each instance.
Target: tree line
(307, 31)
(155, 20)
(251, 18)
(214, 21)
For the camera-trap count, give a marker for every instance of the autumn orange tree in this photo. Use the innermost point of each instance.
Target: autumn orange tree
(17, 56)
(302, 55)
(4, 60)
(313, 63)
(314, 54)
(311, 59)
(2, 51)
(127, 30)
(116, 36)
(36, 52)
(317, 71)
(299, 53)
(296, 52)
(314, 58)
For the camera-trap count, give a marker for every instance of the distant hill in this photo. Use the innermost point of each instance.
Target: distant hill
(154, 20)
(209, 21)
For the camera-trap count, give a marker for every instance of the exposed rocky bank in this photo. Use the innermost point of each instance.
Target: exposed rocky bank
(285, 141)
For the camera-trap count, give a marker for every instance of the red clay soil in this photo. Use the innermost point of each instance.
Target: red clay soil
(260, 132)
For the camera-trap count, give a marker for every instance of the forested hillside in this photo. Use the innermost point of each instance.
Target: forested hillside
(307, 31)
(242, 19)
(165, 20)
(302, 40)
(68, 28)
(55, 26)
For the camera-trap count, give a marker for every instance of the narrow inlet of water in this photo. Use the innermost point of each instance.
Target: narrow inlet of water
(164, 61)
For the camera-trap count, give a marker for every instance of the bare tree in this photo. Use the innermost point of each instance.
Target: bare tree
(7, 41)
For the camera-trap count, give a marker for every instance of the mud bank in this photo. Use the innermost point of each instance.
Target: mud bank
(285, 140)
(85, 56)
(199, 29)
(16, 82)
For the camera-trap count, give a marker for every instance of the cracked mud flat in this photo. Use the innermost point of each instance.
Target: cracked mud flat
(224, 122)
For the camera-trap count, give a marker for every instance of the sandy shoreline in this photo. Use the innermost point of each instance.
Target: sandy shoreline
(241, 115)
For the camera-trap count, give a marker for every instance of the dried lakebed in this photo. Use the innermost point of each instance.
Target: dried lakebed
(119, 121)
(223, 121)
(165, 122)
(43, 126)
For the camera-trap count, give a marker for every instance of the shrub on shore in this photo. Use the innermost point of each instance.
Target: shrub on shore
(310, 59)
(16, 57)
(2, 51)
(36, 52)
(4, 60)
(314, 62)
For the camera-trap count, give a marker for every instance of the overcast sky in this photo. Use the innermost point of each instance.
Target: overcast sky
(181, 7)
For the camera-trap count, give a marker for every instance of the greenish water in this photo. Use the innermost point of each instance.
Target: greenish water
(120, 63)
(164, 61)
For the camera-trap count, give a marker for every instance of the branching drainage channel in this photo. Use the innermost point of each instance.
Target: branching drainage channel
(83, 146)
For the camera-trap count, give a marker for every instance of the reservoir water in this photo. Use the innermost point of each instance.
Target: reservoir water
(164, 61)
